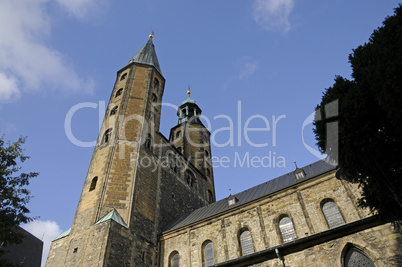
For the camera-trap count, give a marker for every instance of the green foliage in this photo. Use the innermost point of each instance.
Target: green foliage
(14, 195)
(370, 120)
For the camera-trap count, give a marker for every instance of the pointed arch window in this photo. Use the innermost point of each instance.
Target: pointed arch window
(93, 183)
(119, 92)
(287, 229)
(113, 111)
(208, 257)
(356, 258)
(174, 259)
(124, 76)
(331, 213)
(106, 136)
(246, 242)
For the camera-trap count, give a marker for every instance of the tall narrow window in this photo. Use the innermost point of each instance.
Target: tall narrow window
(156, 84)
(148, 142)
(174, 260)
(113, 111)
(179, 149)
(287, 230)
(208, 257)
(93, 183)
(189, 177)
(356, 258)
(154, 99)
(106, 136)
(208, 173)
(210, 197)
(206, 154)
(246, 243)
(178, 134)
(119, 92)
(123, 76)
(331, 213)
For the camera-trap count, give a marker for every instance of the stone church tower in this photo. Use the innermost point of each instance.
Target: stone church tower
(149, 200)
(138, 181)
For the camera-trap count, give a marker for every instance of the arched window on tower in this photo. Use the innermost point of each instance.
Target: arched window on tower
(208, 173)
(287, 230)
(154, 99)
(178, 134)
(156, 84)
(123, 76)
(210, 197)
(356, 258)
(113, 111)
(119, 92)
(148, 141)
(189, 178)
(93, 183)
(174, 259)
(246, 242)
(179, 149)
(208, 257)
(331, 213)
(106, 136)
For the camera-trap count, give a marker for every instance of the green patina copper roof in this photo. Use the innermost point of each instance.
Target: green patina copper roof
(147, 55)
(188, 100)
(64, 234)
(113, 215)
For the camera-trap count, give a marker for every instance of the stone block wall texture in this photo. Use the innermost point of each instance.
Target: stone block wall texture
(302, 204)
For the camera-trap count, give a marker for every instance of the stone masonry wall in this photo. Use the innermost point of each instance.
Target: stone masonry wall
(302, 204)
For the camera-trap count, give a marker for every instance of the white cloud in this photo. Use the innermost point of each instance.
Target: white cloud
(46, 231)
(273, 14)
(82, 8)
(247, 66)
(25, 59)
(8, 88)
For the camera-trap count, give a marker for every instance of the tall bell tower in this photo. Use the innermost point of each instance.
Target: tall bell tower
(132, 190)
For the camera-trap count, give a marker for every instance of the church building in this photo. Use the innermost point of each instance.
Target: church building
(149, 200)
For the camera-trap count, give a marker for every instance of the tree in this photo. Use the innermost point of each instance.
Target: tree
(14, 195)
(369, 120)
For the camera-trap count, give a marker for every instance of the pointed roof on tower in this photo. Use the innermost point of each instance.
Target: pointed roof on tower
(147, 55)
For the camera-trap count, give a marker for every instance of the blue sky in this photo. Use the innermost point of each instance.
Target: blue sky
(273, 58)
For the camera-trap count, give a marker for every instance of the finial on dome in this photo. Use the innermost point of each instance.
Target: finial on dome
(189, 91)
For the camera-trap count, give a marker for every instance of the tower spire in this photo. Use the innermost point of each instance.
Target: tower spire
(147, 55)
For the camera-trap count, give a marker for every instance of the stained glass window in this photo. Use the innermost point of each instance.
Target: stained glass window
(356, 258)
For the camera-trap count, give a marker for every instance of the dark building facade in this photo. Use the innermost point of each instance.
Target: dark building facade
(26, 254)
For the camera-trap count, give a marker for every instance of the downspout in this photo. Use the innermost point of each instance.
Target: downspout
(279, 257)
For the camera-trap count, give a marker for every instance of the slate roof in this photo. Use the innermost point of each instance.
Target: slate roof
(147, 55)
(251, 194)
